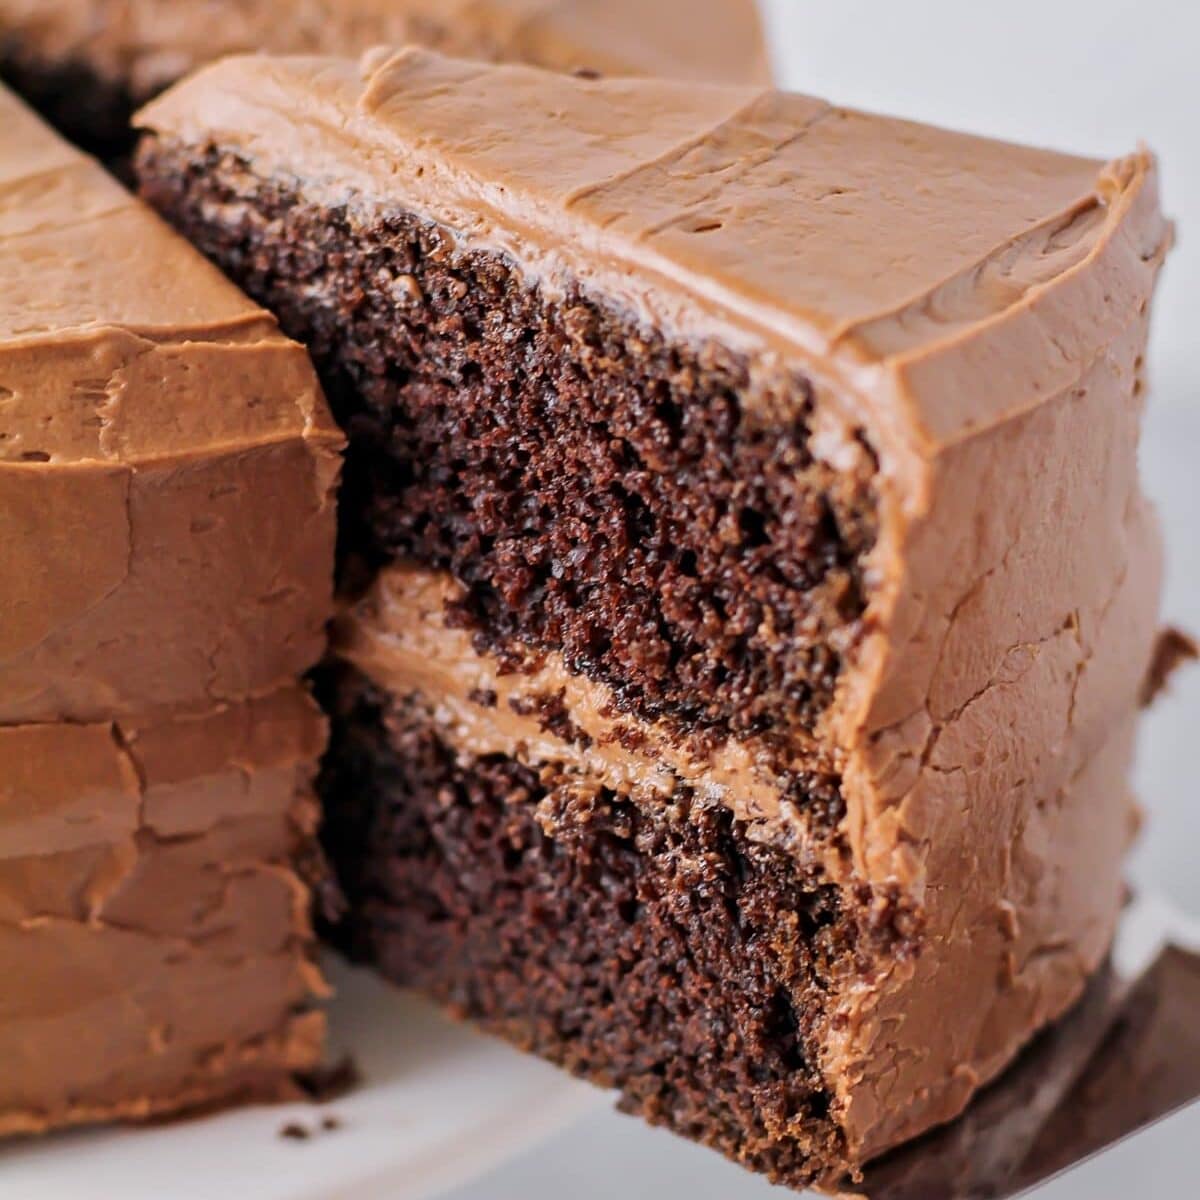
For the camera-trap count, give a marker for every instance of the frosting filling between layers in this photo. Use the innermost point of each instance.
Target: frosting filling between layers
(683, 524)
(399, 638)
(598, 888)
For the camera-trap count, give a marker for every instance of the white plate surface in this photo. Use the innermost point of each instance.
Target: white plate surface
(439, 1106)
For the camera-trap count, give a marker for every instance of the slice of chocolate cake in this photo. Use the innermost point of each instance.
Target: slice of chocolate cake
(167, 467)
(88, 63)
(749, 584)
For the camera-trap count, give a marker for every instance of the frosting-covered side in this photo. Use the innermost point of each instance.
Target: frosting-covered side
(150, 911)
(151, 420)
(977, 312)
(167, 467)
(987, 770)
(145, 45)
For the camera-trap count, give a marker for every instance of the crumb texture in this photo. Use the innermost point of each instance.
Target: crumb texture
(651, 511)
(658, 950)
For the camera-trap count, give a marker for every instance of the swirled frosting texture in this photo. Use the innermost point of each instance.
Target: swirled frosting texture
(167, 466)
(978, 313)
(151, 422)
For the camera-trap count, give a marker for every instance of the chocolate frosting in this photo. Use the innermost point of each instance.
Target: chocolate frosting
(144, 45)
(151, 421)
(167, 466)
(150, 913)
(978, 313)
(982, 1152)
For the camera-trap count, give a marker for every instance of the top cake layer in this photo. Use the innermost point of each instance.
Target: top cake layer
(952, 301)
(905, 256)
(145, 45)
(166, 459)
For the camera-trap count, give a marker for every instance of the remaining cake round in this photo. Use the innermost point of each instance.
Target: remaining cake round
(88, 63)
(749, 586)
(167, 470)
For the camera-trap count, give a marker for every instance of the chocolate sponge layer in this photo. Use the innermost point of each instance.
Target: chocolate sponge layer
(648, 509)
(651, 947)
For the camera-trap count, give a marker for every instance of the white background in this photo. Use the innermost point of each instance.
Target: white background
(1094, 76)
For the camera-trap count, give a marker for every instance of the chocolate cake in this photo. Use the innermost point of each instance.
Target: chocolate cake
(167, 467)
(88, 63)
(153, 934)
(748, 586)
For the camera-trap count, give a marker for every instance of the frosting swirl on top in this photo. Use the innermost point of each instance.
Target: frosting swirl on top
(902, 253)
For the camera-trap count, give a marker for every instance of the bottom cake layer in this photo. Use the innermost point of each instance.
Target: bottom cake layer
(155, 938)
(655, 948)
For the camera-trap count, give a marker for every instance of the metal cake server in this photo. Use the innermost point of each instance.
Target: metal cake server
(1095, 1085)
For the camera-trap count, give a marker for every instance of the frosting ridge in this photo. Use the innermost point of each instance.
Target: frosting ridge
(142, 399)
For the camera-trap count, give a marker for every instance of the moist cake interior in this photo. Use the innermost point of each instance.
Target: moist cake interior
(650, 513)
(647, 509)
(655, 947)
